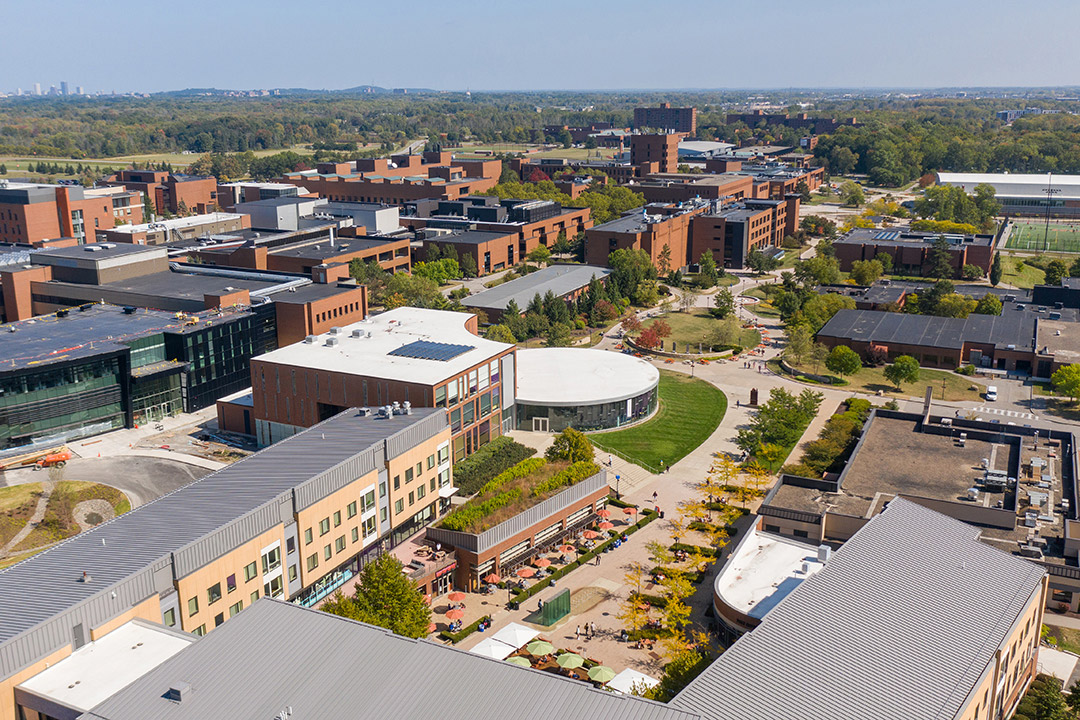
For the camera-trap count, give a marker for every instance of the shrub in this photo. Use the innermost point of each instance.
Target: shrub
(464, 632)
(487, 462)
(565, 478)
(966, 370)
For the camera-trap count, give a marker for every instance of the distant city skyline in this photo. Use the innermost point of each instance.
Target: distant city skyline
(587, 46)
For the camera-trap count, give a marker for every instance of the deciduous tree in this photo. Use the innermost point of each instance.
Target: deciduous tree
(905, 369)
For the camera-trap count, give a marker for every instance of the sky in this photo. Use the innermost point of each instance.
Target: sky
(140, 46)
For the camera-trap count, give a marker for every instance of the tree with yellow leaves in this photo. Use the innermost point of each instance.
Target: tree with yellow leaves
(631, 611)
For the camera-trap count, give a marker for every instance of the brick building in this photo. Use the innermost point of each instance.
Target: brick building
(798, 121)
(174, 229)
(177, 194)
(665, 117)
(32, 213)
(910, 250)
(660, 149)
(428, 358)
(303, 257)
(497, 233)
(731, 232)
(652, 229)
(399, 179)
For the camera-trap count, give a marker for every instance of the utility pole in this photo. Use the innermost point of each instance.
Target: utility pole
(1050, 192)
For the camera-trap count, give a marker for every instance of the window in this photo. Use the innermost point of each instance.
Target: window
(254, 596)
(412, 498)
(199, 631)
(408, 475)
(485, 404)
(250, 572)
(327, 552)
(219, 619)
(355, 534)
(382, 490)
(271, 559)
(444, 454)
(397, 482)
(312, 562)
(440, 396)
(351, 508)
(230, 583)
(419, 468)
(430, 461)
(444, 478)
(274, 588)
(193, 606)
(421, 491)
(399, 506)
(455, 420)
(324, 526)
(469, 413)
(292, 573)
(382, 514)
(369, 526)
(339, 544)
(169, 618)
(337, 518)
(432, 483)
(290, 546)
(307, 536)
(233, 609)
(213, 593)
(368, 501)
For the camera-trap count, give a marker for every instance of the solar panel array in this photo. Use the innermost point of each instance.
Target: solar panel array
(428, 350)
(888, 235)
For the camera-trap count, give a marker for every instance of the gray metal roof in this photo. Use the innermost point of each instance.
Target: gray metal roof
(141, 552)
(275, 655)
(1013, 327)
(559, 279)
(899, 625)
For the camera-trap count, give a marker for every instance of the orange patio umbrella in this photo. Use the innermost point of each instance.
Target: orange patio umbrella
(492, 578)
(456, 596)
(590, 534)
(526, 572)
(630, 511)
(606, 525)
(542, 562)
(567, 548)
(455, 614)
(604, 513)
(432, 627)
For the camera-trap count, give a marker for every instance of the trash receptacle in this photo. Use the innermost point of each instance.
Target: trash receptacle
(661, 514)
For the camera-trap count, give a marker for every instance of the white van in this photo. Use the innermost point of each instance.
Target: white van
(991, 393)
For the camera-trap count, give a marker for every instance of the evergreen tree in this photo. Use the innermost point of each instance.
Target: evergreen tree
(995, 270)
(385, 597)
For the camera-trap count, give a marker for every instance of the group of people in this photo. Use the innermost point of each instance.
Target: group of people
(590, 631)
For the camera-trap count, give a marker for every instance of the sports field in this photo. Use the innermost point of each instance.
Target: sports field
(1063, 237)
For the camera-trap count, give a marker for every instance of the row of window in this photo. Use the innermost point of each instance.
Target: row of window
(368, 527)
(467, 385)
(338, 312)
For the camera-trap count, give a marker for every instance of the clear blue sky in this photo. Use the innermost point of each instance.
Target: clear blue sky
(135, 45)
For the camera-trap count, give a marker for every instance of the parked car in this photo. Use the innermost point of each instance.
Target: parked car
(991, 393)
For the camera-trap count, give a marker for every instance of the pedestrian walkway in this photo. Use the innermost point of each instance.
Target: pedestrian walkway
(1006, 413)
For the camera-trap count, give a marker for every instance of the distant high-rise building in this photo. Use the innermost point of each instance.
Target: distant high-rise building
(63, 87)
(665, 117)
(79, 90)
(18, 91)
(37, 88)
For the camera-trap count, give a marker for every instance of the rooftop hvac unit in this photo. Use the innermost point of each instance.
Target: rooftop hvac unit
(335, 330)
(824, 552)
(973, 494)
(806, 568)
(332, 341)
(310, 339)
(363, 412)
(358, 333)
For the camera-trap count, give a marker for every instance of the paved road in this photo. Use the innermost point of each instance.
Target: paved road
(142, 479)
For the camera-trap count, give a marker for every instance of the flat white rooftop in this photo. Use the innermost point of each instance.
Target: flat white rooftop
(388, 332)
(1016, 185)
(99, 669)
(764, 570)
(179, 223)
(579, 376)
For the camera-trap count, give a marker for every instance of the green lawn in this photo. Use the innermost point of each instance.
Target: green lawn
(1028, 276)
(690, 410)
(872, 379)
(1062, 237)
(692, 327)
(763, 308)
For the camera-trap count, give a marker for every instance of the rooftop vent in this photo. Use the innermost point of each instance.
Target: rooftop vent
(91, 248)
(129, 310)
(332, 341)
(358, 333)
(363, 412)
(86, 578)
(310, 339)
(178, 691)
(824, 552)
(335, 331)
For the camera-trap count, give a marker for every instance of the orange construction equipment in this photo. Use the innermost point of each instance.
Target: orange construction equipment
(37, 457)
(58, 459)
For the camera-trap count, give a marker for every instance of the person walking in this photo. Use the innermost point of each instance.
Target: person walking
(594, 628)
(654, 496)
(577, 633)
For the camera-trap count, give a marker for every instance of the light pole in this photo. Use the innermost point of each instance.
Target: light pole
(1050, 192)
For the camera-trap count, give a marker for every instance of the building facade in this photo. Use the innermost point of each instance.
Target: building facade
(32, 213)
(665, 117)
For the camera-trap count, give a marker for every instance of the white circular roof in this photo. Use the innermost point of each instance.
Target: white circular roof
(569, 376)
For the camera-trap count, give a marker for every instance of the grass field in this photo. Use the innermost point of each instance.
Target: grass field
(690, 409)
(691, 328)
(1062, 237)
(870, 380)
(1018, 273)
(763, 308)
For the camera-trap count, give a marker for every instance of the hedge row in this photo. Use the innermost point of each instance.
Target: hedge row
(706, 527)
(528, 592)
(498, 455)
(464, 632)
(704, 551)
(565, 478)
(697, 578)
